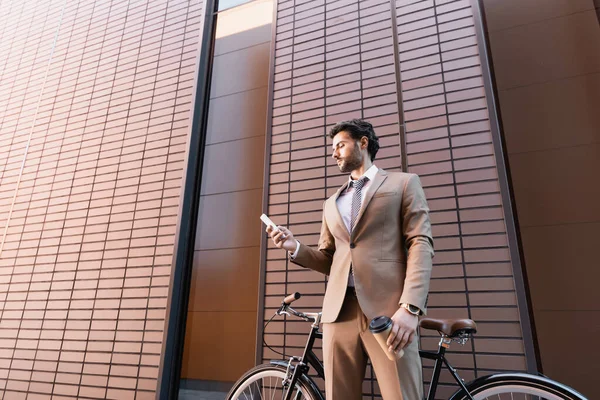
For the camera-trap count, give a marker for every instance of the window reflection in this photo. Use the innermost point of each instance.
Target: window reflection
(226, 4)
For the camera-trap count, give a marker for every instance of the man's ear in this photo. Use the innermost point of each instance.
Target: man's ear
(364, 142)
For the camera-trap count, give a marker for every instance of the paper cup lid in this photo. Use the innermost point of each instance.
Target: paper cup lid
(380, 324)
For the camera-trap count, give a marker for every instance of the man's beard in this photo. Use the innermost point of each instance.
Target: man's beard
(351, 163)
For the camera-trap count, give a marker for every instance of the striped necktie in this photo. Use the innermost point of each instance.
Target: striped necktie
(356, 199)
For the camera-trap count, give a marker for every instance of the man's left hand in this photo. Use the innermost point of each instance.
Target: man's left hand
(403, 330)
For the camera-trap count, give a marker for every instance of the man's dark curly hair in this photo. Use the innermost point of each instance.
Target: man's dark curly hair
(357, 128)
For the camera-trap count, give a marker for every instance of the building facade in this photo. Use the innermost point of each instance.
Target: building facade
(141, 140)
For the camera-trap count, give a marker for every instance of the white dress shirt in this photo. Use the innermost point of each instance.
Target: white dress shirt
(344, 201)
(344, 205)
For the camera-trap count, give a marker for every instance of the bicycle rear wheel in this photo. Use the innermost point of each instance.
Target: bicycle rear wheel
(265, 382)
(518, 387)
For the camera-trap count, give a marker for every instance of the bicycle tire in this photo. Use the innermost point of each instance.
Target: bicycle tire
(249, 384)
(525, 386)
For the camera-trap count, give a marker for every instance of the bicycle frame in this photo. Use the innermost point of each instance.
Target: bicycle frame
(299, 371)
(309, 358)
(440, 359)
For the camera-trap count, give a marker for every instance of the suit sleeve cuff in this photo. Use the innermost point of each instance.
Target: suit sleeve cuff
(295, 253)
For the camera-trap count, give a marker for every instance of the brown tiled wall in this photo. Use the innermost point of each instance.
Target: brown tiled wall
(335, 61)
(332, 62)
(449, 145)
(95, 101)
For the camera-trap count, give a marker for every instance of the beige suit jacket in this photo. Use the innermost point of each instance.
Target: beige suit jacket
(390, 248)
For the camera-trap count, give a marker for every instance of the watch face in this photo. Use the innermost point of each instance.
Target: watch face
(413, 309)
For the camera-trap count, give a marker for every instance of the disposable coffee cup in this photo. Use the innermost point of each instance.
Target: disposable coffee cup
(381, 327)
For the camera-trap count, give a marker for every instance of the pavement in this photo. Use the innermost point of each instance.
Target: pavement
(188, 394)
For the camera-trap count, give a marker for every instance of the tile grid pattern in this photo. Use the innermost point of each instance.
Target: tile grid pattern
(85, 266)
(450, 146)
(334, 61)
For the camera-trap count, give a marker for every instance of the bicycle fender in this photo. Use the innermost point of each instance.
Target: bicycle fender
(283, 364)
(563, 390)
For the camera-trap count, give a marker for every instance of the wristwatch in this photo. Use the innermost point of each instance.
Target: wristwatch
(414, 310)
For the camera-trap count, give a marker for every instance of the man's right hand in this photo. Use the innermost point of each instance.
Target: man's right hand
(282, 238)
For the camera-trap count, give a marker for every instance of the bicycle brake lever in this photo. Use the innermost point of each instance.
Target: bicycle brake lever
(280, 312)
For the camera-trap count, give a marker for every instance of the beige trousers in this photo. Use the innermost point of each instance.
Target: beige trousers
(348, 343)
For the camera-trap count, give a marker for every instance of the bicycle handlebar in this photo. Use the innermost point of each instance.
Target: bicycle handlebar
(291, 298)
(286, 309)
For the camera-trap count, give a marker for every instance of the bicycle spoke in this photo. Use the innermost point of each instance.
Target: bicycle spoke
(257, 389)
(262, 388)
(273, 396)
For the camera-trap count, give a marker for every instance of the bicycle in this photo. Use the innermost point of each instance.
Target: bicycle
(289, 380)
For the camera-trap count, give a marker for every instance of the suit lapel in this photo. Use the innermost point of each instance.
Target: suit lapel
(333, 209)
(377, 181)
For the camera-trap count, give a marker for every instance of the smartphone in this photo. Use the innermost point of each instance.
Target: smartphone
(267, 221)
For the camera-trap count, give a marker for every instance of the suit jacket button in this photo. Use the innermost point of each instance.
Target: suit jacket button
(352, 245)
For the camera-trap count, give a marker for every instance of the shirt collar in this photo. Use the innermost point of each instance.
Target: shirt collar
(371, 172)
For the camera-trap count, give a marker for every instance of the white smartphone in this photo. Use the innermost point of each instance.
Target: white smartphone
(267, 221)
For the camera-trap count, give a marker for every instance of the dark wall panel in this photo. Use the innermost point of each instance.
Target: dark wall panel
(527, 54)
(559, 113)
(229, 220)
(214, 341)
(240, 70)
(548, 73)
(237, 116)
(233, 166)
(501, 13)
(225, 280)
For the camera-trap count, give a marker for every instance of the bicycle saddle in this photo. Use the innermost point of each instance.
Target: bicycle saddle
(449, 327)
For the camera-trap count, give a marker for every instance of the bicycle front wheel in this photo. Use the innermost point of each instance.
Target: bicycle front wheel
(265, 382)
(518, 387)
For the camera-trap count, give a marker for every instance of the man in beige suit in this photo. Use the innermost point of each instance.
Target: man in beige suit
(376, 247)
